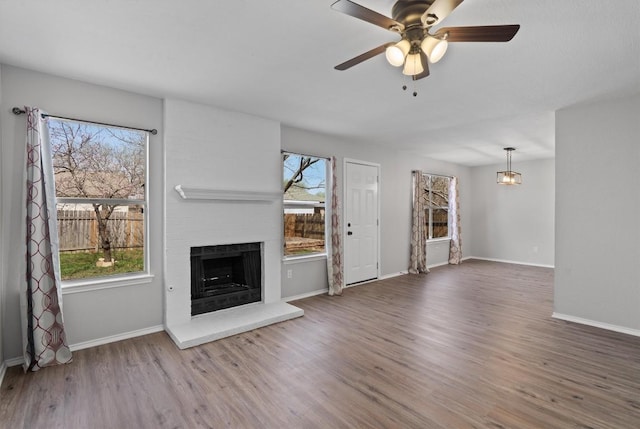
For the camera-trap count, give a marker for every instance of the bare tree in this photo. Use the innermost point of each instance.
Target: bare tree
(297, 177)
(98, 163)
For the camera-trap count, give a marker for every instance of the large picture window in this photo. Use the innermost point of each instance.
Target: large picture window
(305, 193)
(437, 209)
(100, 177)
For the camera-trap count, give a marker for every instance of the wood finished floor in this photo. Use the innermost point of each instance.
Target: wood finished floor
(471, 346)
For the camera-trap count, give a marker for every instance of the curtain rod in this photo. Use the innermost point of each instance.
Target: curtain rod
(305, 154)
(432, 174)
(19, 111)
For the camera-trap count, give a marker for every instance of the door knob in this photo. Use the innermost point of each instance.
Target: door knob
(349, 233)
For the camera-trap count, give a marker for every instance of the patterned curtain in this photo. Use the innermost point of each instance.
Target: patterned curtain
(455, 246)
(45, 342)
(418, 256)
(335, 269)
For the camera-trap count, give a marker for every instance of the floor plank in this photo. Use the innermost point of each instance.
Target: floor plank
(469, 346)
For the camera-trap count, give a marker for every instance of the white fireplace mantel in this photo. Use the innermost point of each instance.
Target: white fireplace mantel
(191, 193)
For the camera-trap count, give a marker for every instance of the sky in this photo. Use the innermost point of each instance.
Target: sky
(314, 175)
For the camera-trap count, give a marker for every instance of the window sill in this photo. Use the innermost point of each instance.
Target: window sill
(78, 286)
(307, 258)
(438, 240)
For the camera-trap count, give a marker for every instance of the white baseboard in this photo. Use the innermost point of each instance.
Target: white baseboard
(97, 342)
(385, 277)
(305, 295)
(506, 261)
(392, 275)
(3, 371)
(114, 338)
(596, 324)
(322, 291)
(16, 361)
(439, 264)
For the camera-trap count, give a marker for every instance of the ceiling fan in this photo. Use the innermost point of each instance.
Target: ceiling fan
(412, 20)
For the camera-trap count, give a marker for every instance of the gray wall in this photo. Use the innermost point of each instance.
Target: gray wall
(395, 202)
(101, 314)
(597, 274)
(514, 223)
(2, 239)
(92, 315)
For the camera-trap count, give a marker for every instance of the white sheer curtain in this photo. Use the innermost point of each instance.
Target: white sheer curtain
(335, 268)
(418, 253)
(455, 245)
(44, 336)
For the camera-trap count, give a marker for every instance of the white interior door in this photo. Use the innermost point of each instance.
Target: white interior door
(361, 222)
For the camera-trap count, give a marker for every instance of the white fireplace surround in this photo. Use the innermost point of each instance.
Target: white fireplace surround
(223, 174)
(189, 331)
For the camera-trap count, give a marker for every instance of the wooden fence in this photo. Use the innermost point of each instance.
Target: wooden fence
(78, 230)
(304, 225)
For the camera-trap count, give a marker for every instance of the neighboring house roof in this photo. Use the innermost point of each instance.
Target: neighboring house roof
(296, 193)
(100, 184)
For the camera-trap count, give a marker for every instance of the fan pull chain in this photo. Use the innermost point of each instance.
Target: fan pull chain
(415, 93)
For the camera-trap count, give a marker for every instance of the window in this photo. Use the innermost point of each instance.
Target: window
(304, 187)
(437, 209)
(100, 177)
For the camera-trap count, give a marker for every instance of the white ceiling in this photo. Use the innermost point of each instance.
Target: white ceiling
(275, 58)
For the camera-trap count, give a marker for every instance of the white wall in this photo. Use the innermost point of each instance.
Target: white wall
(395, 202)
(92, 315)
(217, 149)
(597, 276)
(514, 223)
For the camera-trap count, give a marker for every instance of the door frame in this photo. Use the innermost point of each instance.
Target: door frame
(346, 161)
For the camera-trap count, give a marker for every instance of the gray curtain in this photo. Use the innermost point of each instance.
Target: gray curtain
(418, 255)
(44, 337)
(455, 245)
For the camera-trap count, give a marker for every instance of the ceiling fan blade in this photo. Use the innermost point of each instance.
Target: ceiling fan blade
(438, 11)
(362, 57)
(425, 65)
(361, 12)
(487, 33)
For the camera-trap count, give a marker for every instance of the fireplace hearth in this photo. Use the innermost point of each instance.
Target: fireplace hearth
(225, 276)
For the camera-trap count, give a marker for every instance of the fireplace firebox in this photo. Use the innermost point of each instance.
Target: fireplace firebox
(225, 276)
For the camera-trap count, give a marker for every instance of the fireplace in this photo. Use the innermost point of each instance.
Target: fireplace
(225, 276)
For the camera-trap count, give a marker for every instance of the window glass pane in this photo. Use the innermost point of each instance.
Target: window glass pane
(439, 196)
(304, 187)
(94, 161)
(440, 223)
(437, 206)
(100, 187)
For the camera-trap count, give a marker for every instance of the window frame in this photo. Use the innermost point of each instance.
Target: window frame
(430, 208)
(120, 279)
(310, 204)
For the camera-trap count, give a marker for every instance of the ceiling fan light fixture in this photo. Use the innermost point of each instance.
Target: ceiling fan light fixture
(434, 47)
(413, 20)
(397, 53)
(413, 64)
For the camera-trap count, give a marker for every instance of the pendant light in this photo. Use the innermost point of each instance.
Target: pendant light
(509, 177)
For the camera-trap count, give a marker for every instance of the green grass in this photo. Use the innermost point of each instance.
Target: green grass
(82, 265)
